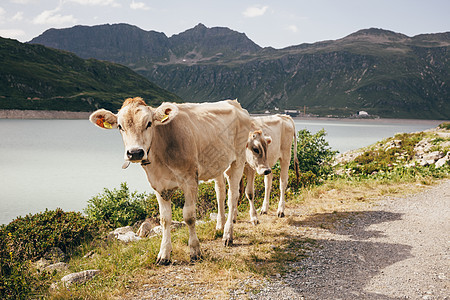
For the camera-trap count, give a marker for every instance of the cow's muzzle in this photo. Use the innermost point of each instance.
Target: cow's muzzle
(135, 155)
(264, 171)
(267, 171)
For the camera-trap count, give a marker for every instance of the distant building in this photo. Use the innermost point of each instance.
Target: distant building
(363, 113)
(291, 112)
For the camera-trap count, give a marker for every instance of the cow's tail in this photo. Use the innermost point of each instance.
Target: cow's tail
(296, 166)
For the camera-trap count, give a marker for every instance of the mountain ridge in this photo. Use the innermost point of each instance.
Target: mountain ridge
(35, 77)
(385, 73)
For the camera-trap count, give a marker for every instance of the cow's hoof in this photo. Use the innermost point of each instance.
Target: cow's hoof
(228, 242)
(163, 262)
(255, 222)
(196, 257)
(234, 221)
(280, 214)
(263, 212)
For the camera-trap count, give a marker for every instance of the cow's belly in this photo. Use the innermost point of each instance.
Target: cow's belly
(214, 168)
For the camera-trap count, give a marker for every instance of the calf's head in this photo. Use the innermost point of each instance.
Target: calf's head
(136, 122)
(256, 152)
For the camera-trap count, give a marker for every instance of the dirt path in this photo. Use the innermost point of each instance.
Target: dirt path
(397, 249)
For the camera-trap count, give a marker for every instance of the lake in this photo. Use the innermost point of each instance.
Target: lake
(63, 163)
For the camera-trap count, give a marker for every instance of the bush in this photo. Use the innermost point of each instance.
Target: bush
(313, 153)
(29, 238)
(118, 208)
(445, 125)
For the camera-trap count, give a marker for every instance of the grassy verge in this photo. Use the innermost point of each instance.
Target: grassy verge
(259, 251)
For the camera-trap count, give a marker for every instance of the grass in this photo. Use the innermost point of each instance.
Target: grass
(261, 251)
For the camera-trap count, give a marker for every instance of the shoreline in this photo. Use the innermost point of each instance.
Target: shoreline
(42, 114)
(74, 115)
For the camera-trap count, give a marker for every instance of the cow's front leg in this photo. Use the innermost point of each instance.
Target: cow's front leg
(165, 212)
(284, 176)
(190, 194)
(234, 175)
(267, 188)
(219, 185)
(250, 193)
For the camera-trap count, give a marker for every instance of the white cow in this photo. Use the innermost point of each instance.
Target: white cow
(180, 144)
(276, 146)
(281, 132)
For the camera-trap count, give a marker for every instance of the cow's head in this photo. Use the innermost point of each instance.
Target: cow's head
(256, 152)
(136, 122)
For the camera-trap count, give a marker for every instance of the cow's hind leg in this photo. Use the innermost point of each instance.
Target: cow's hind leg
(165, 212)
(190, 194)
(267, 188)
(234, 175)
(284, 175)
(220, 187)
(250, 193)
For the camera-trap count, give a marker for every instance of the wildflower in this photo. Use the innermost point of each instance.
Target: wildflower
(9, 234)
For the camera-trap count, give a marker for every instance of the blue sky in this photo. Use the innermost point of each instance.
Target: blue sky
(277, 24)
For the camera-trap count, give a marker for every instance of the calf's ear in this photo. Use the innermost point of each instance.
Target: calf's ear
(104, 119)
(165, 113)
(268, 139)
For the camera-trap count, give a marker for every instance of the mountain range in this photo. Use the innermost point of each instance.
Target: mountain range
(34, 77)
(379, 71)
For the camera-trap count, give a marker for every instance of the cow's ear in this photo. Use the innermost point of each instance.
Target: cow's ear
(268, 139)
(104, 119)
(165, 113)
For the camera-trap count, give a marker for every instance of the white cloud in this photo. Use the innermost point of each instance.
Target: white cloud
(255, 11)
(12, 33)
(292, 28)
(51, 17)
(112, 3)
(139, 5)
(18, 16)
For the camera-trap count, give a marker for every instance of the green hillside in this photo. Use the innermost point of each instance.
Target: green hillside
(379, 71)
(39, 78)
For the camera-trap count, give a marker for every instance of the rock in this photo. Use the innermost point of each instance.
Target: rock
(42, 263)
(124, 234)
(145, 229)
(54, 255)
(89, 254)
(79, 277)
(441, 162)
(158, 229)
(123, 230)
(128, 237)
(58, 267)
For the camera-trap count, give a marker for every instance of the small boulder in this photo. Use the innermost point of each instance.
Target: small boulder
(58, 267)
(145, 229)
(79, 277)
(54, 255)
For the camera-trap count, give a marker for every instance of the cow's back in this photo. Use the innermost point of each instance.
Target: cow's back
(214, 134)
(281, 129)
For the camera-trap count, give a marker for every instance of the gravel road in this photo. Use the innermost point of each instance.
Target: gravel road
(397, 249)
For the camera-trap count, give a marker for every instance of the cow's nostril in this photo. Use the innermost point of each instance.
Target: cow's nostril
(135, 154)
(267, 172)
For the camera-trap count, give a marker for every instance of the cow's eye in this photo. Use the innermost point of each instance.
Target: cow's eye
(256, 150)
(149, 124)
(120, 127)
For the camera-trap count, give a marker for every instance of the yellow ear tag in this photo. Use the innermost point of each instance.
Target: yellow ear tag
(107, 125)
(165, 118)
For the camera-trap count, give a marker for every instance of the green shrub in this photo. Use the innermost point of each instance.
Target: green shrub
(313, 153)
(29, 238)
(119, 207)
(445, 125)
